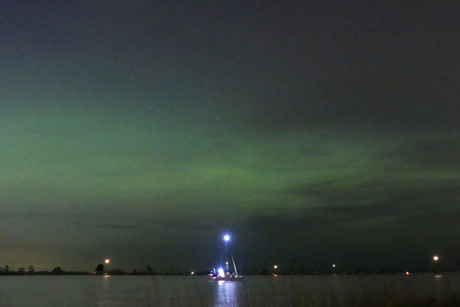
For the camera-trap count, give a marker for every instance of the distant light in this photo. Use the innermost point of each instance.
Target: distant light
(407, 273)
(333, 265)
(226, 237)
(192, 273)
(221, 272)
(435, 258)
(107, 261)
(275, 266)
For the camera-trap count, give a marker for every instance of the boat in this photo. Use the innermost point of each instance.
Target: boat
(226, 274)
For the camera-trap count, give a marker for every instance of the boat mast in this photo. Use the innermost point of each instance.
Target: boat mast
(226, 239)
(234, 265)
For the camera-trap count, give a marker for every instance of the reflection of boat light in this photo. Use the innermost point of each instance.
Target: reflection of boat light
(226, 294)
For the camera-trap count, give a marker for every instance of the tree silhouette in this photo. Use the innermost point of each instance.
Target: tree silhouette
(149, 269)
(57, 270)
(99, 267)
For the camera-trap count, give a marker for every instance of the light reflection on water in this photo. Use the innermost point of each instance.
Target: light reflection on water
(252, 291)
(227, 293)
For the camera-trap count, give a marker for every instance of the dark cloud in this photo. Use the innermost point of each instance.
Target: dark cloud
(405, 223)
(433, 154)
(392, 73)
(118, 226)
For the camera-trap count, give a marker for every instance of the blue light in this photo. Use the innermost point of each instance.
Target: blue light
(226, 237)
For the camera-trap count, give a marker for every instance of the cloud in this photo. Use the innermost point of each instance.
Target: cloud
(440, 153)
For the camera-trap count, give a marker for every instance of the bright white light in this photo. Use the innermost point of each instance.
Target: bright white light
(107, 261)
(435, 258)
(275, 266)
(226, 237)
(333, 265)
(192, 273)
(221, 272)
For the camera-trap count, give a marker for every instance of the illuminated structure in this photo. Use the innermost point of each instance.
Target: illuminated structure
(220, 273)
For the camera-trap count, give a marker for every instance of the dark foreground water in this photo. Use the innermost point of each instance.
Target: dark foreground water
(362, 290)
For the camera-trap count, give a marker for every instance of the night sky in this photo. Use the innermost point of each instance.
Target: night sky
(314, 132)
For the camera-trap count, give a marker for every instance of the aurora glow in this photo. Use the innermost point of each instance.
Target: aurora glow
(312, 133)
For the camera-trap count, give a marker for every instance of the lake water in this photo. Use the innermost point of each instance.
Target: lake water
(339, 290)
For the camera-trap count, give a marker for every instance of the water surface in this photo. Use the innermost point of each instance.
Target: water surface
(313, 291)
